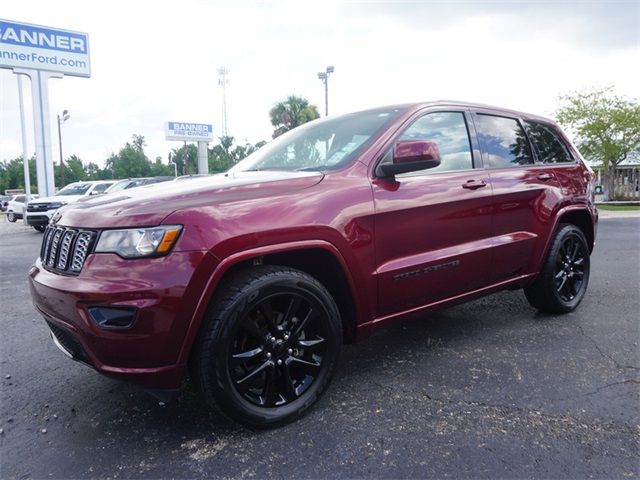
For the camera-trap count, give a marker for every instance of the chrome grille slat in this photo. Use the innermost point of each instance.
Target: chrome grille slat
(44, 251)
(65, 249)
(53, 252)
(80, 251)
(65, 246)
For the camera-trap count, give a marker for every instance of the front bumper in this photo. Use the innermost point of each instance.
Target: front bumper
(163, 293)
(36, 219)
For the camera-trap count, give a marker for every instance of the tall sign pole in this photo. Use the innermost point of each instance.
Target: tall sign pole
(42, 128)
(25, 150)
(41, 53)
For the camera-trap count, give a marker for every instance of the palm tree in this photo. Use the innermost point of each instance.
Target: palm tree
(294, 111)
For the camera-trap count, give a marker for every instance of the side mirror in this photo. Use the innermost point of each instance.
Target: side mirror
(411, 156)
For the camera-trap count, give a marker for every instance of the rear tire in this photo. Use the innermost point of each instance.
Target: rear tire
(268, 347)
(11, 217)
(563, 280)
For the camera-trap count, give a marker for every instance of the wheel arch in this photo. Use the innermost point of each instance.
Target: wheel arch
(578, 215)
(320, 259)
(581, 218)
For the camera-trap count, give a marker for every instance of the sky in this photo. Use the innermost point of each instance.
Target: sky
(156, 61)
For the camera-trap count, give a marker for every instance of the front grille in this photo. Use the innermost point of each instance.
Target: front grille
(68, 342)
(66, 249)
(37, 207)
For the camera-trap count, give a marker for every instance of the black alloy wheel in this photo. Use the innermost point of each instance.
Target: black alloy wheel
(277, 352)
(268, 346)
(570, 263)
(562, 282)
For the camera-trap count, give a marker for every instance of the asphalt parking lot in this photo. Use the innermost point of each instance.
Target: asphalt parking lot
(490, 389)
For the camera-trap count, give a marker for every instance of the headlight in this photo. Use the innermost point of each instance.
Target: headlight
(139, 242)
(57, 204)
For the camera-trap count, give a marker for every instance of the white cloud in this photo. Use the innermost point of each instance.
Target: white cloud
(156, 61)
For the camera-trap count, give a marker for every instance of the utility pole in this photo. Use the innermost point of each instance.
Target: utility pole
(61, 119)
(223, 81)
(324, 76)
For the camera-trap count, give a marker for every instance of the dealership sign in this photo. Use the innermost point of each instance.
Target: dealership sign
(195, 132)
(34, 47)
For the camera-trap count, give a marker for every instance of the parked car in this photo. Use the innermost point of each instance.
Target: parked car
(128, 183)
(40, 211)
(16, 206)
(4, 200)
(253, 279)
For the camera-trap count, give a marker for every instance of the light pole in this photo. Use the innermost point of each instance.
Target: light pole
(324, 76)
(223, 81)
(61, 119)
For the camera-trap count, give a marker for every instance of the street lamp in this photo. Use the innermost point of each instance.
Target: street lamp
(324, 76)
(61, 119)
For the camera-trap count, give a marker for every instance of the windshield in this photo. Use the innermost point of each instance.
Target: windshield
(121, 185)
(75, 189)
(320, 145)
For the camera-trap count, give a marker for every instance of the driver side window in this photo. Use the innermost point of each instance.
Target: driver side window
(449, 131)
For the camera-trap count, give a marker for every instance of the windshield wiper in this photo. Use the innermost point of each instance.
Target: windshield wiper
(317, 168)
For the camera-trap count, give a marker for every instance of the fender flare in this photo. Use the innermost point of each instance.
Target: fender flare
(537, 264)
(231, 260)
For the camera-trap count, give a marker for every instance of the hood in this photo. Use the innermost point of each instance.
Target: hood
(57, 198)
(150, 204)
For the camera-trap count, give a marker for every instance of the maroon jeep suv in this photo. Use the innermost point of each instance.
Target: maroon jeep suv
(250, 281)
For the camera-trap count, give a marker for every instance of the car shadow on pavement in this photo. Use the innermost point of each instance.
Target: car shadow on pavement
(388, 352)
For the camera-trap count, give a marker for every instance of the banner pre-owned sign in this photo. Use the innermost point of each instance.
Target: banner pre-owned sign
(189, 131)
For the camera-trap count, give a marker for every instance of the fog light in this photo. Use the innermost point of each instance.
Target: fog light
(110, 317)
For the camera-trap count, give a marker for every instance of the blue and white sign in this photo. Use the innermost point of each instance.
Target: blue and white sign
(34, 47)
(189, 131)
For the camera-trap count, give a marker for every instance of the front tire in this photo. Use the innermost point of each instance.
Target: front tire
(563, 280)
(268, 347)
(39, 228)
(11, 217)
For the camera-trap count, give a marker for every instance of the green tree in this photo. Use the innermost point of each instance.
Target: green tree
(130, 161)
(291, 113)
(606, 126)
(74, 171)
(94, 172)
(225, 154)
(12, 174)
(186, 158)
(159, 169)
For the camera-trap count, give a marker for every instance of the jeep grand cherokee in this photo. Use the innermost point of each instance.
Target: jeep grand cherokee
(250, 281)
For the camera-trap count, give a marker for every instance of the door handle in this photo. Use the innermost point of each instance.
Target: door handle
(545, 176)
(474, 184)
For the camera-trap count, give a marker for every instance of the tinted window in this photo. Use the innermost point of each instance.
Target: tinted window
(550, 148)
(19, 198)
(449, 131)
(503, 142)
(101, 188)
(75, 189)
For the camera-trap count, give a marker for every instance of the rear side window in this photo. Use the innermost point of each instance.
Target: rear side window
(503, 142)
(449, 131)
(550, 148)
(101, 187)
